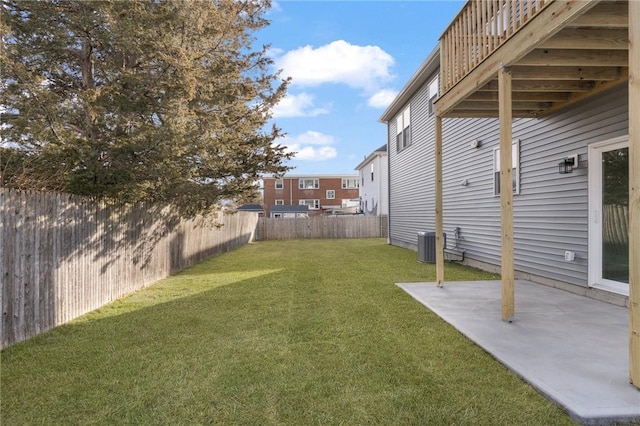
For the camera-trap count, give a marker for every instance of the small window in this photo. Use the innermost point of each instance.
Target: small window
(372, 173)
(403, 130)
(308, 183)
(515, 167)
(279, 184)
(277, 215)
(279, 202)
(331, 194)
(433, 94)
(350, 183)
(312, 204)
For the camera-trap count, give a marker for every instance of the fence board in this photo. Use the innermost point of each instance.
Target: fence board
(334, 227)
(62, 256)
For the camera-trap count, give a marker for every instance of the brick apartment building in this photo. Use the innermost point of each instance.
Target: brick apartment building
(323, 194)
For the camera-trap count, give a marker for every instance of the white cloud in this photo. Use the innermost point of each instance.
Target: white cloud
(310, 146)
(309, 153)
(361, 67)
(297, 106)
(311, 137)
(382, 98)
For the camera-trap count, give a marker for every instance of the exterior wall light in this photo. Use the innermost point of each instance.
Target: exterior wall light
(568, 164)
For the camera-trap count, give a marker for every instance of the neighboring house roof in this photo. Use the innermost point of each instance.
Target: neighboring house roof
(251, 208)
(288, 209)
(424, 73)
(377, 153)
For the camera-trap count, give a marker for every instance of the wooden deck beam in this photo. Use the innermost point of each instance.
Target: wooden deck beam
(543, 86)
(576, 58)
(521, 96)
(463, 113)
(604, 15)
(579, 73)
(634, 193)
(587, 38)
(578, 96)
(488, 105)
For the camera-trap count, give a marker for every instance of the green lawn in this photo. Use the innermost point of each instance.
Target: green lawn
(309, 332)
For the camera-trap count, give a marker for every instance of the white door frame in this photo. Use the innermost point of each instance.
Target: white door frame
(595, 151)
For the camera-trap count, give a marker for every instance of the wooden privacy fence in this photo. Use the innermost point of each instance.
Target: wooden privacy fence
(321, 227)
(615, 227)
(62, 256)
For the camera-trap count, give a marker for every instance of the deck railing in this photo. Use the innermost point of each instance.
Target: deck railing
(477, 31)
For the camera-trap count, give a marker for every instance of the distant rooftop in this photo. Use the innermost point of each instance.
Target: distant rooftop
(312, 175)
(288, 209)
(378, 152)
(251, 208)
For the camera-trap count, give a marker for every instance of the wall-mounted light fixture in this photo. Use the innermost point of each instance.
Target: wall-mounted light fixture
(475, 143)
(568, 164)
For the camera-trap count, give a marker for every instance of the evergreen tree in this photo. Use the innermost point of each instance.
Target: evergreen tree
(161, 101)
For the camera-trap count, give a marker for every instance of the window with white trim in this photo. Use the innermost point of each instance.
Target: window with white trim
(372, 173)
(279, 184)
(433, 94)
(350, 183)
(331, 194)
(312, 204)
(403, 129)
(308, 183)
(515, 168)
(279, 202)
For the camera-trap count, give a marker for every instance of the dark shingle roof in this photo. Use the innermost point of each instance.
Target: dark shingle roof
(250, 208)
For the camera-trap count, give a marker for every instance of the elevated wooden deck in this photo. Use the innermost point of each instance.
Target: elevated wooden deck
(558, 52)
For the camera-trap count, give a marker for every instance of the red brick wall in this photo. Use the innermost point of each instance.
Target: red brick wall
(291, 194)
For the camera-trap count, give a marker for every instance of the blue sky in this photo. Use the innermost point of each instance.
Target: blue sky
(348, 60)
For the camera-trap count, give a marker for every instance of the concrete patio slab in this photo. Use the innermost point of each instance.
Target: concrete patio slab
(572, 349)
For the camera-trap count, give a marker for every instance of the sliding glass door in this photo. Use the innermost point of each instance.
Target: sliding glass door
(609, 215)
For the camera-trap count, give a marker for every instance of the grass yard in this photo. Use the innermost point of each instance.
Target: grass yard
(282, 332)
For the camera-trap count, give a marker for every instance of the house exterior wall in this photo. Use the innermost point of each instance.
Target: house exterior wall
(374, 190)
(291, 195)
(551, 210)
(411, 176)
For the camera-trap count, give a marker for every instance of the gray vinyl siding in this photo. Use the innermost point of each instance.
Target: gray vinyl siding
(472, 208)
(411, 181)
(551, 211)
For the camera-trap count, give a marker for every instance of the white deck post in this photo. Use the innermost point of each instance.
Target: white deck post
(506, 191)
(634, 193)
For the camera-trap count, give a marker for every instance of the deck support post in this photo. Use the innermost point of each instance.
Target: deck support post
(506, 191)
(634, 193)
(438, 195)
